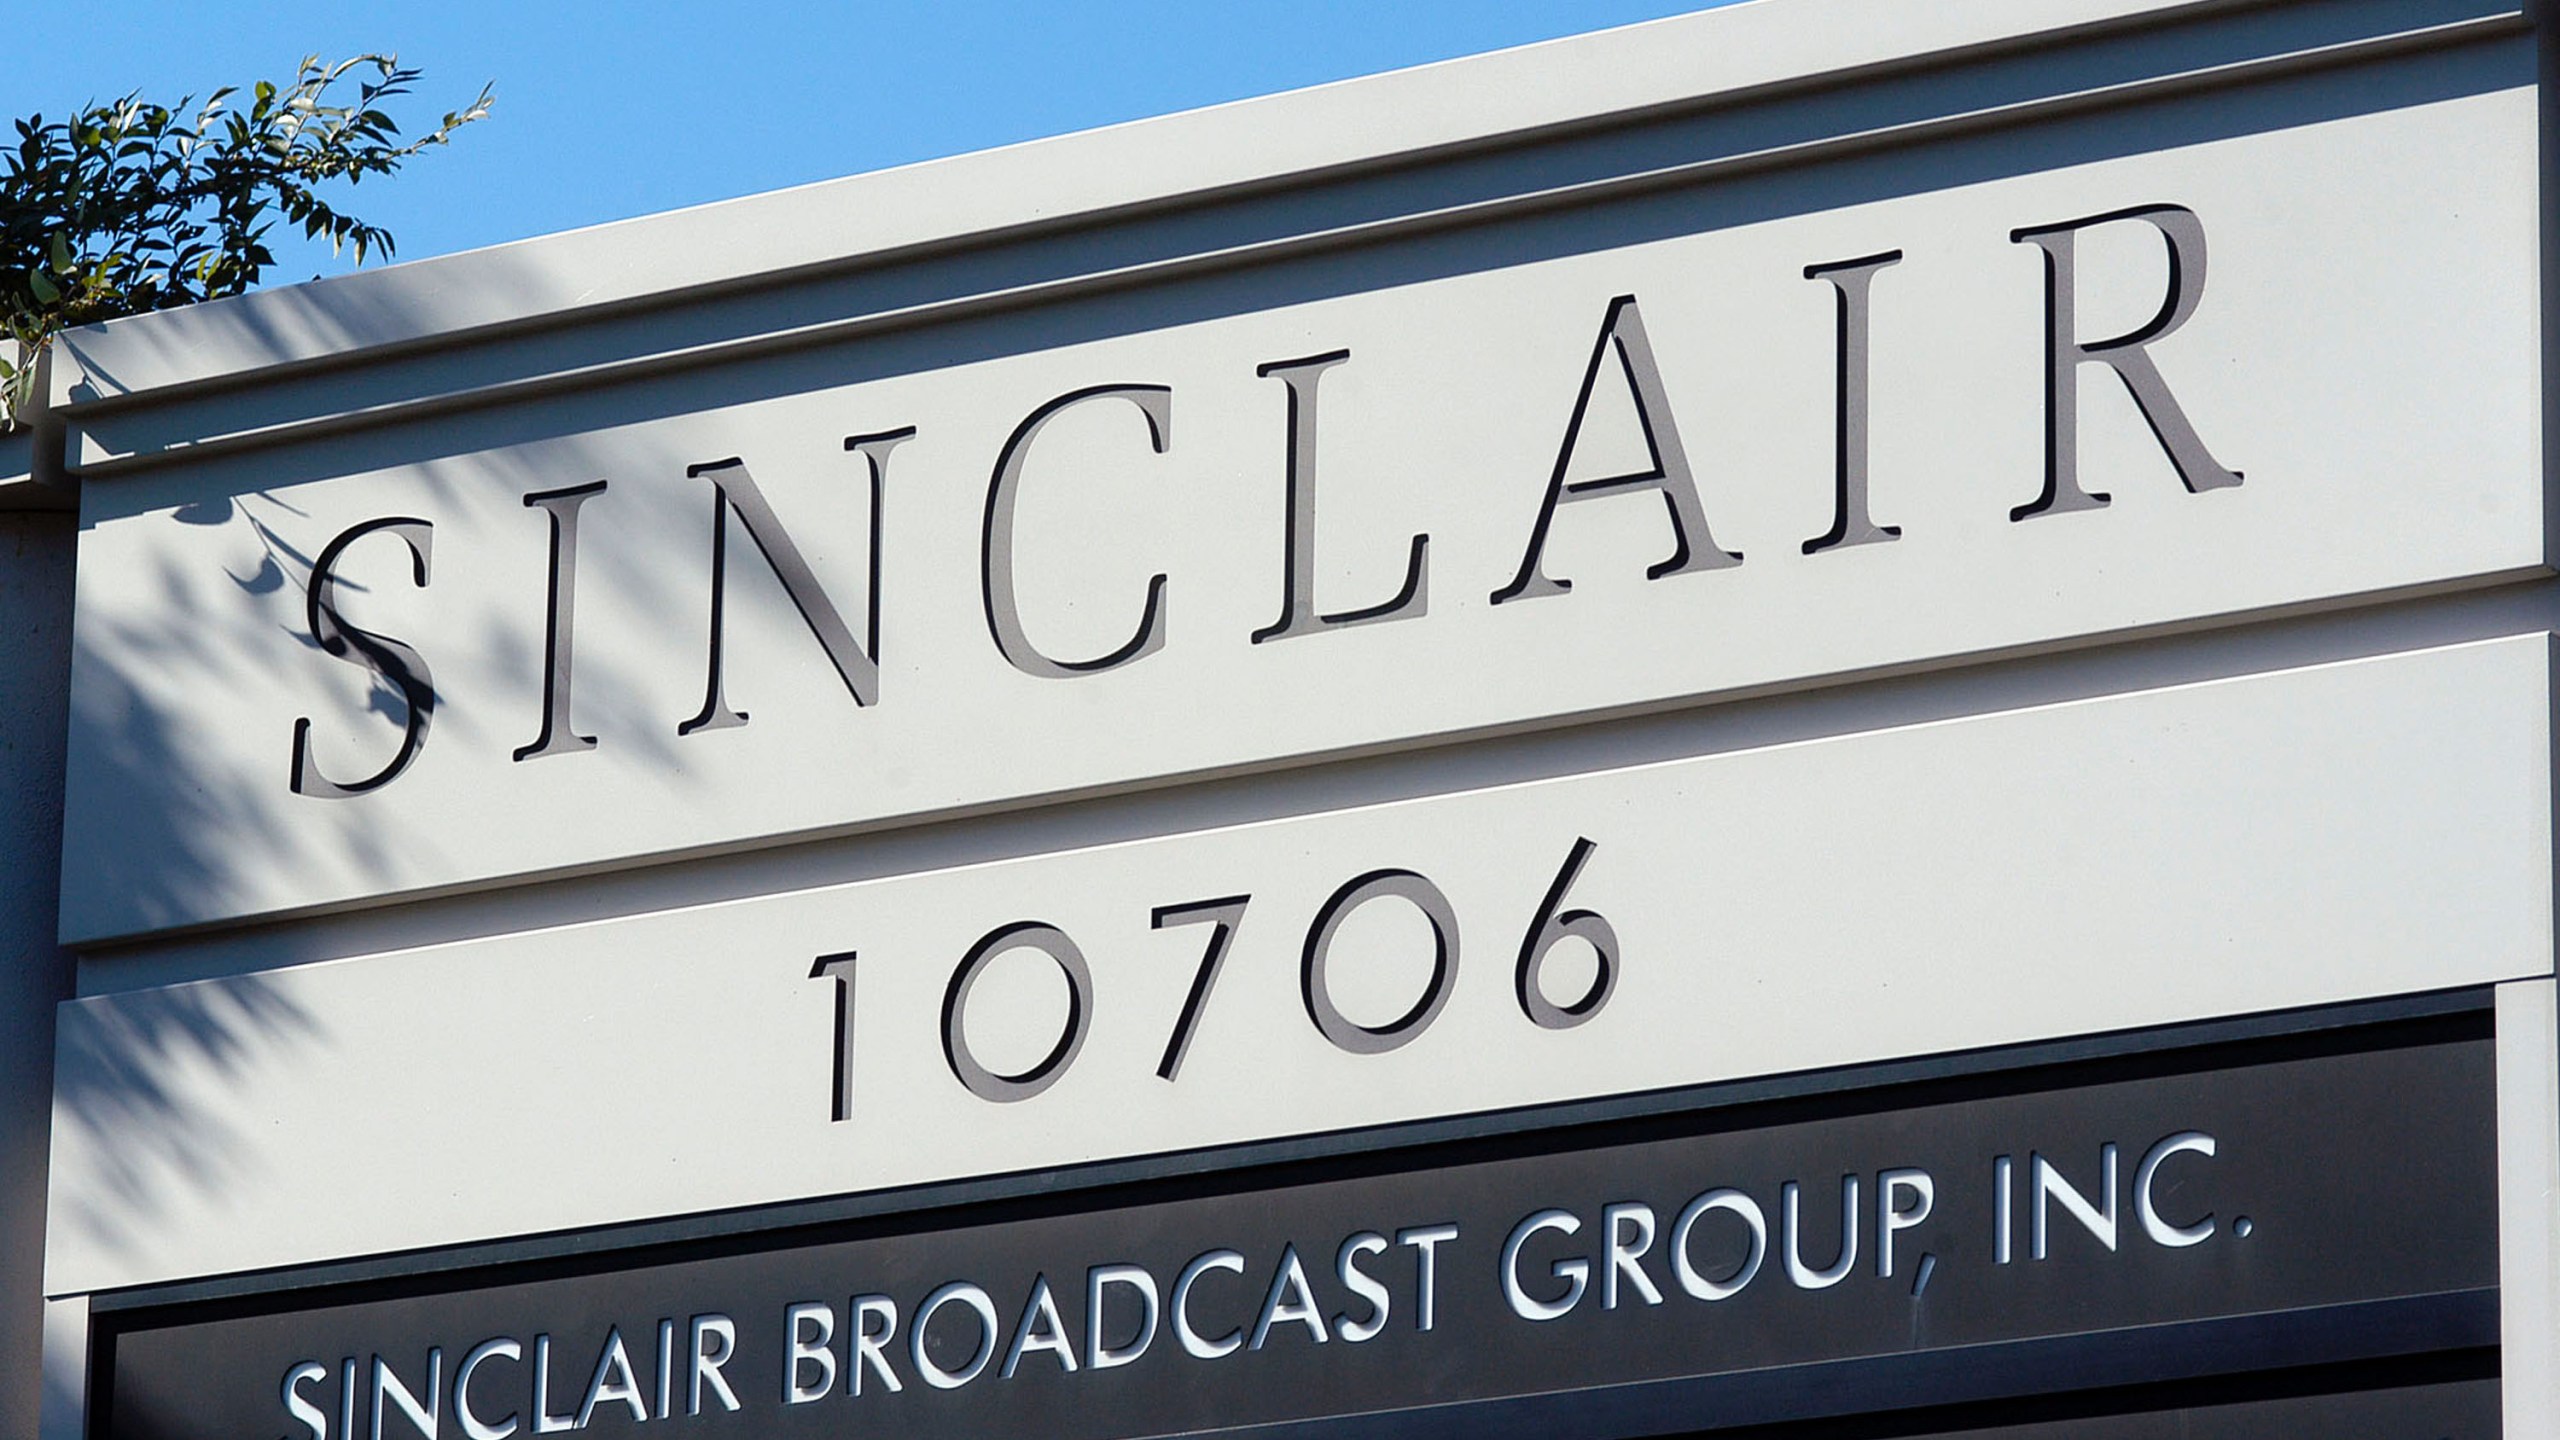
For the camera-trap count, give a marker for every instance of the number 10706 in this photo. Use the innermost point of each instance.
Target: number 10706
(1222, 918)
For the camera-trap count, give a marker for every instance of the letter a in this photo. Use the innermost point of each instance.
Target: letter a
(1692, 547)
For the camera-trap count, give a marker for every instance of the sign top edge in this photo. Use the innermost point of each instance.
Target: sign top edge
(1262, 141)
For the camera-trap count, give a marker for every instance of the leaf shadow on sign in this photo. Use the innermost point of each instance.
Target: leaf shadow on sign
(128, 1079)
(130, 680)
(145, 1131)
(132, 1122)
(159, 1148)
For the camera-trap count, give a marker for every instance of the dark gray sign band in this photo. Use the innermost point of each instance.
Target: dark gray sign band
(2308, 1208)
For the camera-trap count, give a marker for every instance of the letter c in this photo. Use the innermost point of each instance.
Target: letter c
(472, 1424)
(1204, 1349)
(2160, 1230)
(995, 549)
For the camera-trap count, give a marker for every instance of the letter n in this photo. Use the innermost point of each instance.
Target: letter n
(734, 491)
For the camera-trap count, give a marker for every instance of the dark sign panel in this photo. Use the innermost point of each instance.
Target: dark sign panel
(1719, 1268)
(2443, 1410)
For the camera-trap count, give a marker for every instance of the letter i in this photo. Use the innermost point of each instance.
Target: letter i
(666, 1367)
(2003, 1177)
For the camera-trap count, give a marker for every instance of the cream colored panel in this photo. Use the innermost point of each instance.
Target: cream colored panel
(2295, 838)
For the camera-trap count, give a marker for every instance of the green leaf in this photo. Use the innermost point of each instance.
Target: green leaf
(130, 205)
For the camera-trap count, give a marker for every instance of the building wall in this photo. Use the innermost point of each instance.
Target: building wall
(35, 973)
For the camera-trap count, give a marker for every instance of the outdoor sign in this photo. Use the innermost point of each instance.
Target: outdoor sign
(1787, 715)
(1557, 468)
(1747, 1267)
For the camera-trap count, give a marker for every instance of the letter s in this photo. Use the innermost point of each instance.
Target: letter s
(301, 1409)
(403, 668)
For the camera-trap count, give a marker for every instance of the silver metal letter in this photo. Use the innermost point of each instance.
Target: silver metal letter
(402, 668)
(1575, 1271)
(1790, 1206)
(733, 489)
(1850, 523)
(1298, 613)
(2126, 355)
(995, 551)
(559, 624)
(2177, 1237)
(1693, 548)
(2047, 1184)
(1891, 1218)
(1097, 1283)
(1742, 1206)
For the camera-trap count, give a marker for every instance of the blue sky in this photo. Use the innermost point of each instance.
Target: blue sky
(606, 111)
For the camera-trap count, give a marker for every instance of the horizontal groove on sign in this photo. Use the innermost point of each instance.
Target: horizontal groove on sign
(1640, 76)
(880, 294)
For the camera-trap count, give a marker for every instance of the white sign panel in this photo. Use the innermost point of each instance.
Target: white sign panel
(1014, 559)
(2309, 836)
